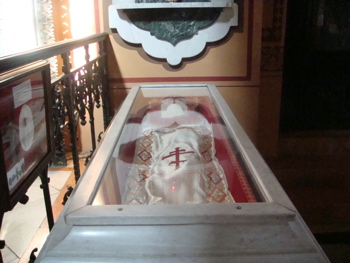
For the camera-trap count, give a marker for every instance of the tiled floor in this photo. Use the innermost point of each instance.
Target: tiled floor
(25, 227)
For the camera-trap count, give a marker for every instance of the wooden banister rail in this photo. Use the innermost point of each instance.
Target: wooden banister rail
(47, 51)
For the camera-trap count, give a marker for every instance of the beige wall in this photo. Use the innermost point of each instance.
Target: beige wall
(233, 65)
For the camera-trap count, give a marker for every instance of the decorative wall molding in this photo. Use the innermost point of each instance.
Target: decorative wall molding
(163, 49)
(272, 58)
(45, 29)
(273, 32)
(272, 52)
(45, 22)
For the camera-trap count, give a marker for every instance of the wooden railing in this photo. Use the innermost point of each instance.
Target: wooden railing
(76, 92)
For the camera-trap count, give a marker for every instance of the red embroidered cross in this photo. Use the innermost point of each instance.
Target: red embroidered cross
(177, 153)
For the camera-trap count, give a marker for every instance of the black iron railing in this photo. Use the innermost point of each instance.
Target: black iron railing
(77, 92)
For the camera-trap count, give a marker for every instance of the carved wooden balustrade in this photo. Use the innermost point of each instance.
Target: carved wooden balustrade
(76, 92)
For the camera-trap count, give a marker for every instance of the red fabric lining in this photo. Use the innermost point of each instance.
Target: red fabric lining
(236, 179)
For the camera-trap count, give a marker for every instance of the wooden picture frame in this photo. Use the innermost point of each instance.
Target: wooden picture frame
(26, 130)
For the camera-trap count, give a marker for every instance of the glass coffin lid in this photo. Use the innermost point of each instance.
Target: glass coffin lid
(175, 149)
(176, 179)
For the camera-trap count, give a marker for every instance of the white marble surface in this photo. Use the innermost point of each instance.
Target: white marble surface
(164, 50)
(267, 231)
(130, 4)
(22, 227)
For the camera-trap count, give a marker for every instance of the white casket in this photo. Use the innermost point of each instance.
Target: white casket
(176, 179)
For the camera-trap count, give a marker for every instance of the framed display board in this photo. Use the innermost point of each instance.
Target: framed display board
(26, 131)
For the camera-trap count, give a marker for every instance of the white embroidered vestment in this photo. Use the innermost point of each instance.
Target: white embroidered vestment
(176, 166)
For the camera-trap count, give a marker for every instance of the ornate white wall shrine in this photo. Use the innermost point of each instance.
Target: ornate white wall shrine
(173, 30)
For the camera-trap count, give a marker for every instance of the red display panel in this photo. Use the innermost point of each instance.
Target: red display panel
(25, 128)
